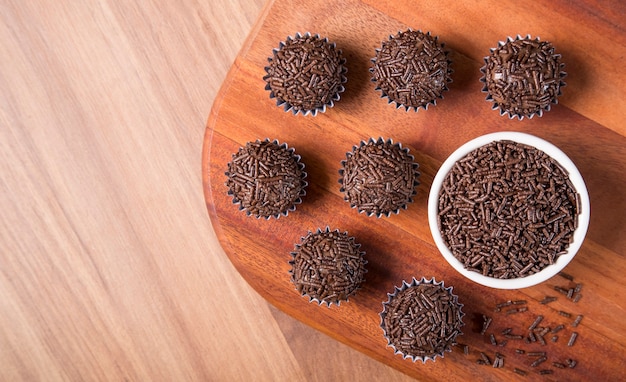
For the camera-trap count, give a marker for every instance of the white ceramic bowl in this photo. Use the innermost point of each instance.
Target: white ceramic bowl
(575, 178)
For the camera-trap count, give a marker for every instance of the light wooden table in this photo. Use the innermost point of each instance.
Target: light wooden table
(109, 267)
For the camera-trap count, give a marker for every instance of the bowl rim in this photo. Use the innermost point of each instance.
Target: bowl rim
(574, 176)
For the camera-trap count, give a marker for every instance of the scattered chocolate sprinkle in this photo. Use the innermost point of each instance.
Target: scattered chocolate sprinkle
(519, 371)
(536, 322)
(486, 322)
(554, 338)
(561, 290)
(484, 358)
(503, 304)
(411, 69)
(379, 177)
(578, 288)
(542, 331)
(546, 371)
(305, 74)
(506, 210)
(542, 340)
(492, 339)
(566, 276)
(422, 320)
(558, 365)
(547, 300)
(523, 77)
(558, 329)
(506, 331)
(565, 314)
(539, 361)
(520, 351)
(572, 339)
(577, 320)
(465, 349)
(266, 179)
(577, 297)
(327, 266)
(571, 363)
(498, 361)
(516, 310)
(536, 354)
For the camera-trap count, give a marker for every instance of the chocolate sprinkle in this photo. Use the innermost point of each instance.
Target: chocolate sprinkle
(507, 210)
(519, 371)
(565, 314)
(558, 329)
(306, 74)
(547, 300)
(498, 361)
(577, 321)
(379, 177)
(536, 322)
(523, 77)
(572, 339)
(539, 361)
(485, 358)
(486, 322)
(422, 320)
(266, 179)
(327, 266)
(411, 69)
(571, 363)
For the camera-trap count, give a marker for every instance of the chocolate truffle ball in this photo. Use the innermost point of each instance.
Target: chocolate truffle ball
(422, 320)
(523, 77)
(306, 74)
(327, 266)
(411, 69)
(379, 177)
(266, 179)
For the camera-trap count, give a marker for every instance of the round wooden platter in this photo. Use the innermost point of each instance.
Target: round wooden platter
(400, 247)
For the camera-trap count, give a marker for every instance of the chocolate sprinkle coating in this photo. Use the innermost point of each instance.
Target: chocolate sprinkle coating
(422, 320)
(306, 74)
(379, 177)
(327, 266)
(507, 210)
(266, 179)
(523, 77)
(411, 69)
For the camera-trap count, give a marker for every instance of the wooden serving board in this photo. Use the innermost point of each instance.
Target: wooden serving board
(587, 125)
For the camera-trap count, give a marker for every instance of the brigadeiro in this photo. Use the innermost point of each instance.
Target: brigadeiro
(523, 77)
(422, 320)
(266, 179)
(306, 74)
(379, 177)
(327, 266)
(411, 69)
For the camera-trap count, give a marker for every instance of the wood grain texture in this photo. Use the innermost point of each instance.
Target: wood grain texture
(586, 125)
(109, 267)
